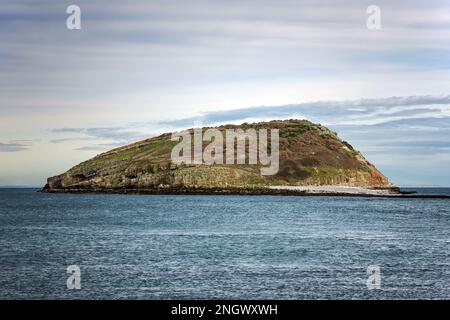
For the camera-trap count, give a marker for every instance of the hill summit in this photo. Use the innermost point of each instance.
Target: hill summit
(309, 155)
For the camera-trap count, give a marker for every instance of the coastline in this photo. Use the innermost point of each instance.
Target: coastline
(308, 191)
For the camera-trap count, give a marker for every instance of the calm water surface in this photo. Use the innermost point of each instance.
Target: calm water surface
(230, 247)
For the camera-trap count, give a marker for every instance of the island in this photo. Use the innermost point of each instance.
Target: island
(312, 160)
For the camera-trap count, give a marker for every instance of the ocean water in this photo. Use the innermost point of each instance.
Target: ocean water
(227, 247)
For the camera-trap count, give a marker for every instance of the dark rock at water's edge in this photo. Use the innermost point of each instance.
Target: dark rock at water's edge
(310, 154)
(393, 193)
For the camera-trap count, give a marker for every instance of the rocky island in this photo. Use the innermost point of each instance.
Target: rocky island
(313, 160)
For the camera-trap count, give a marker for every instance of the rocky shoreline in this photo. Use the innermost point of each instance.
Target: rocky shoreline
(295, 191)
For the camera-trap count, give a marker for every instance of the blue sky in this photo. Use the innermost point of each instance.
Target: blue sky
(139, 68)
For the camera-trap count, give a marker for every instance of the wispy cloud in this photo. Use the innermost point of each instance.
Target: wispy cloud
(367, 111)
(104, 137)
(15, 146)
(100, 146)
(74, 139)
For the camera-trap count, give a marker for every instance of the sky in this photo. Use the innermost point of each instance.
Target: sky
(140, 68)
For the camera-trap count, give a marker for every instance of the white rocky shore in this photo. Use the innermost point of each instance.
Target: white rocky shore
(339, 190)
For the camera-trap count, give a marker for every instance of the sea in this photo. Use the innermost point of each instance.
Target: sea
(72, 246)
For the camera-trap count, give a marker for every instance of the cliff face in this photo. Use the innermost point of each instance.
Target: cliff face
(310, 154)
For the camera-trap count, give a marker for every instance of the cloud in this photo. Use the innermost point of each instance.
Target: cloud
(110, 133)
(100, 147)
(64, 140)
(111, 137)
(68, 130)
(14, 146)
(368, 111)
